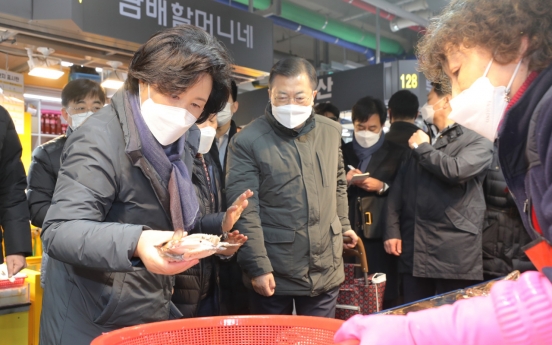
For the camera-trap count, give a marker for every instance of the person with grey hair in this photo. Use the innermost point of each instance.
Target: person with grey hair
(295, 222)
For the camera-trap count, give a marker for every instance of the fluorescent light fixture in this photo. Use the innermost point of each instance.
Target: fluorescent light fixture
(66, 63)
(46, 72)
(99, 69)
(112, 78)
(112, 84)
(44, 66)
(42, 98)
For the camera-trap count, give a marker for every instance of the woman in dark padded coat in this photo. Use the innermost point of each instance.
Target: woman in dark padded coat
(197, 290)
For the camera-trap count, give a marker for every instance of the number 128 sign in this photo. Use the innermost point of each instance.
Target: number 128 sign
(409, 81)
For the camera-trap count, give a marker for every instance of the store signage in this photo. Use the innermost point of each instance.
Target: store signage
(11, 98)
(247, 36)
(344, 89)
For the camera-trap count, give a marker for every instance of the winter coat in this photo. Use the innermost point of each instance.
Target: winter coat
(41, 183)
(400, 132)
(525, 153)
(14, 213)
(214, 155)
(42, 177)
(503, 232)
(437, 206)
(196, 283)
(383, 166)
(298, 213)
(106, 195)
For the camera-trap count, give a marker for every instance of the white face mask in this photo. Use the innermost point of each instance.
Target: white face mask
(78, 119)
(367, 139)
(166, 123)
(427, 111)
(206, 140)
(292, 115)
(481, 106)
(225, 115)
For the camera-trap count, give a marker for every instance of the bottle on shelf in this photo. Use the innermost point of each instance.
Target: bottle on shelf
(58, 124)
(43, 123)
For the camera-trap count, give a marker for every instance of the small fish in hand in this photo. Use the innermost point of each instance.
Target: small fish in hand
(196, 246)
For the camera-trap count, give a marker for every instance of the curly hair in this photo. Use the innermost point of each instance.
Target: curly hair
(174, 59)
(495, 25)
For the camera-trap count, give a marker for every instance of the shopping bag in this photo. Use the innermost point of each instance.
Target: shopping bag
(359, 298)
(360, 295)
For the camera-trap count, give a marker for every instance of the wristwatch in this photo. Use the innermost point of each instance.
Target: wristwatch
(383, 189)
(414, 146)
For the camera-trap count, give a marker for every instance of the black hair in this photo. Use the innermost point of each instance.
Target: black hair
(322, 108)
(174, 59)
(366, 107)
(78, 89)
(292, 67)
(439, 90)
(234, 89)
(403, 105)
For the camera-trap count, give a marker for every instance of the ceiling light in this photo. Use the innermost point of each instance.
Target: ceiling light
(42, 98)
(44, 66)
(66, 63)
(112, 78)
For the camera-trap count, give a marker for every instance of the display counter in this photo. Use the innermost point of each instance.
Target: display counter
(14, 324)
(482, 289)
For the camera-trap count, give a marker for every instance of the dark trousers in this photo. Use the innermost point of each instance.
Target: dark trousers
(416, 288)
(322, 305)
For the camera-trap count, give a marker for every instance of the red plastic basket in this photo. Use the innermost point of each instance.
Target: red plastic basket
(228, 330)
(6, 284)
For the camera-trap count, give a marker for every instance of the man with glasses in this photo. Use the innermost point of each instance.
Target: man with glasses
(80, 99)
(291, 159)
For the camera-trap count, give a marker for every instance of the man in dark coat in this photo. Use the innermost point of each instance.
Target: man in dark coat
(436, 210)
(80, 99)
(367, 197)
(14, 214)
(403, 111)
(295, 221)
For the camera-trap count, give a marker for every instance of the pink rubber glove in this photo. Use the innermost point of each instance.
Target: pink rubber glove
(515, 313)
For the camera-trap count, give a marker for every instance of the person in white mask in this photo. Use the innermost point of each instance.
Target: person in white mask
(226, 128)
(197, 291)
(370, 152)
(80, 99)
(123, 189)
(296, 219)
(440, 204)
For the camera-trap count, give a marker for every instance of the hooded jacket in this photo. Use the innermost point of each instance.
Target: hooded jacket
(295, 219)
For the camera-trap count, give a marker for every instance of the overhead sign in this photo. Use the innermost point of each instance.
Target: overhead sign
(344, 89)
(247, 36)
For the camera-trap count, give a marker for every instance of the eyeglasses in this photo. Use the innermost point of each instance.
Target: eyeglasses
(300, 100)
(83, 109)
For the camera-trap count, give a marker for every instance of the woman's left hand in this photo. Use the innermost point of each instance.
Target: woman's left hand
(234, 237)
(234, 212)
